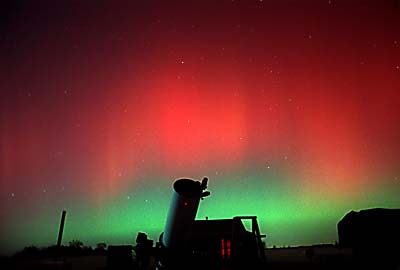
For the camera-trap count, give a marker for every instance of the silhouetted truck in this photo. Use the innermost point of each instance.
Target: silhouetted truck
(374, 236)
(205, 244)
(227, 243)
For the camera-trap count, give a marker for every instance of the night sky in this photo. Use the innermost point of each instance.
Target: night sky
(291, 108)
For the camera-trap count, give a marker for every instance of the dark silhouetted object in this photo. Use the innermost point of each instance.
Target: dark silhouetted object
(143, 250)
(226, 242)
(101, 248)
(182, 211)
(119, 257)
(374, 236)
(205, 244)
(61, 231)
(185, 200)
(76, 244)
(310, 253)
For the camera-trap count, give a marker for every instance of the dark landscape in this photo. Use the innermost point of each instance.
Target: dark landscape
(324, 257)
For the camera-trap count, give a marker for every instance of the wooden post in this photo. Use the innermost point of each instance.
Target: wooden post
(60, 232)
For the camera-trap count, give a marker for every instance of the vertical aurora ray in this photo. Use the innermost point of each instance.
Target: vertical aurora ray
(291, 110)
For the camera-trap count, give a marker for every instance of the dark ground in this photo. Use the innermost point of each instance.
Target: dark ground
(278, 259)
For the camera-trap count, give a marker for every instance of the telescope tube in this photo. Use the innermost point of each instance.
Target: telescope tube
(182, 211)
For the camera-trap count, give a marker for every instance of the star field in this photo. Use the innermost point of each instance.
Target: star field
(290, 108)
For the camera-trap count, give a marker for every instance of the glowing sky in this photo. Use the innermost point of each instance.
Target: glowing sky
(291, 108)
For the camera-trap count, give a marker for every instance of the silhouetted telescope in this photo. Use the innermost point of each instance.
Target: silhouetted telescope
(187, 243)
(185, 200)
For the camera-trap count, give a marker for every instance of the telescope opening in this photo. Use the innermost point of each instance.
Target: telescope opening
(187, 188)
